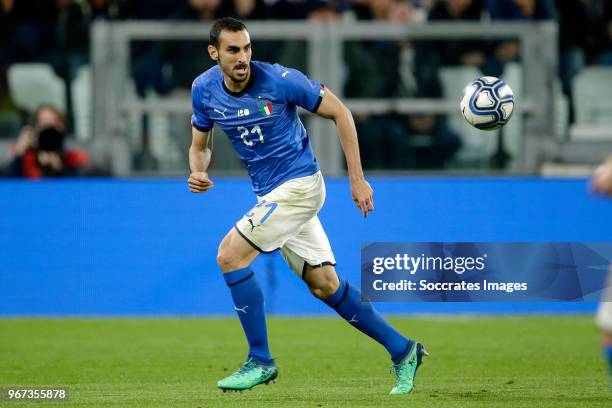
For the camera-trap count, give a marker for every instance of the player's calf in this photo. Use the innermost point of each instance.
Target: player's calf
(322, 281)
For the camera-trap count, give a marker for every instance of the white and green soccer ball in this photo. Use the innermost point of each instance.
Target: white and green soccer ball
(487, 103)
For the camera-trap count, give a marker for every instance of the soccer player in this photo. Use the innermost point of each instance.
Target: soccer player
(602, 184)
(255, 103)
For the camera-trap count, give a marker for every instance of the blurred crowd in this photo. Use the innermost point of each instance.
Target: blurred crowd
(57, 32)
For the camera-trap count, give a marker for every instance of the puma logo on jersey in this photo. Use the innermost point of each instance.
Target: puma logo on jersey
(354, 319)
(221, 113)
(285, 74)
(252, 225)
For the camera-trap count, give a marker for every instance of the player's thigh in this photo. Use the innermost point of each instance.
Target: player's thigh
(309, 247)
(235, 252)
(280, 214)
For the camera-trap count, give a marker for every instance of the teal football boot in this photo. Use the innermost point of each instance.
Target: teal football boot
(405, 370)
(248, 376)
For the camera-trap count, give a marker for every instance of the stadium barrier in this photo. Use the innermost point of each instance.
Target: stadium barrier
(116, 107)
(148, 247)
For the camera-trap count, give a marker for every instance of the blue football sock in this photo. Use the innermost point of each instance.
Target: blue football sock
(608, 355)
(347, 302)
(249, 305)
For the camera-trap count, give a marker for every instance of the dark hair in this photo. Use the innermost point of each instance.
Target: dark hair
(224, 24)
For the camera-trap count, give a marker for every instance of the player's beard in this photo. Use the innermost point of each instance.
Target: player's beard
(235, 77)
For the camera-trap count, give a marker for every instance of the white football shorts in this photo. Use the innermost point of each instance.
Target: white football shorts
(604, 310)
(286, 218)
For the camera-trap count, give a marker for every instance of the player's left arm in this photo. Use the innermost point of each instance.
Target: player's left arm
(602, 178)
(332, 108)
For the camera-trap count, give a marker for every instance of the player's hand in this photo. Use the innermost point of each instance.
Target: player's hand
(602, 179)
(362, 195)
(199, 182)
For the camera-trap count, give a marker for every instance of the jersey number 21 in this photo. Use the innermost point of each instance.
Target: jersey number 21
(249, 137)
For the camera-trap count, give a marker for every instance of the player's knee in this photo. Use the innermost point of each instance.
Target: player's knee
(323, 289)
(226, 262)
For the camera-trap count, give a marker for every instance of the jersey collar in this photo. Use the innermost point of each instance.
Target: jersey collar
(248, 86)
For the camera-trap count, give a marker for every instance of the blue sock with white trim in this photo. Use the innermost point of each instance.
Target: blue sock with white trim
(362, 315)
(249, 305)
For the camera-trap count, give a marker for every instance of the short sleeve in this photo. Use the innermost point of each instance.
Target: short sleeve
(199, 118)
(301, 90)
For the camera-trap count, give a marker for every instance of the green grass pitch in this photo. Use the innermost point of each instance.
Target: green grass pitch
(545, 361)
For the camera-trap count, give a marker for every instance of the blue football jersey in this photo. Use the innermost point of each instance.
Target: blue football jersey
(261, 121)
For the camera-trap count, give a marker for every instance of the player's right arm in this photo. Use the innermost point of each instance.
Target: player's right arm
(201, 140)
(199, 159)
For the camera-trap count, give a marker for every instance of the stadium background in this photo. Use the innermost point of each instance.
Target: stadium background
(125, 239)
(148, 239)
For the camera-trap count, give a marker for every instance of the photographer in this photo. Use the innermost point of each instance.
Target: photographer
(40, 153)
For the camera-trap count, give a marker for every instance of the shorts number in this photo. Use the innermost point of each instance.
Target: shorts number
(271, 206)
(246, 135)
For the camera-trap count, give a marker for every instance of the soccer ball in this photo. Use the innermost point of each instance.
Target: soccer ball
(487, 103)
